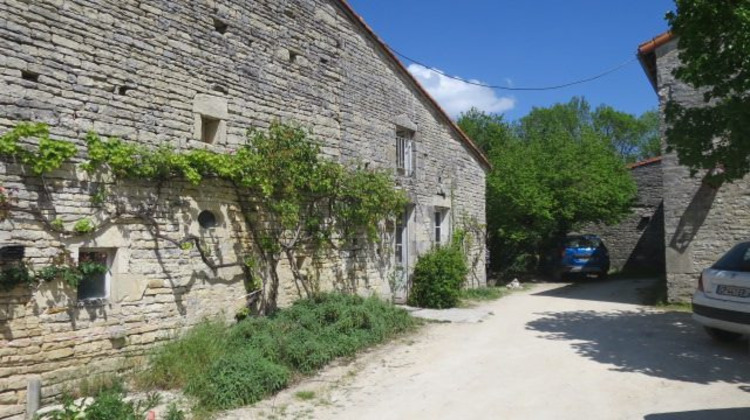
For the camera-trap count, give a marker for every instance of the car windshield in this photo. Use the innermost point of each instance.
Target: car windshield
(582, 242)
(737, 259)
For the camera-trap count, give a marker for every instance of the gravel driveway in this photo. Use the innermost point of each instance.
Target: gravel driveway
(581, 351)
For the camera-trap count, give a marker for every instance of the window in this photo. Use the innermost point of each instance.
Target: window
(96, 268)
(441, 226)
(737, 259)
(209, 129)
(405, 152)
(401, 232)
(207, 219)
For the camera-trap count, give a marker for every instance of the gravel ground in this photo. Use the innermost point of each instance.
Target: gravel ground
(557, 351)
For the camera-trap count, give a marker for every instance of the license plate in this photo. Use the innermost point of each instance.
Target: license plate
(575, 268)
(734, 291)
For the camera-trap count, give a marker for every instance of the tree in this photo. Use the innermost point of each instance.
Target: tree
(486, 130)
(714, 46)
(555, 172)
(633, 138)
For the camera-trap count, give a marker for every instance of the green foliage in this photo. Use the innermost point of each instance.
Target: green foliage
(302, 201)
(15, 275)
(558, 170)
(484, 293)
(633, 138)
(58, 225)
(110, 405)
(107, 405)
(305, 395)
(237, 378)
(488, 131)
(49, 154)
(84, 226)
(61, 269)
(225, 367)
(174, 412)
(438, 277)
(713, 48)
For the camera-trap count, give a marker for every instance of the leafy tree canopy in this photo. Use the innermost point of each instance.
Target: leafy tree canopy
(556, 170)
(714, 46)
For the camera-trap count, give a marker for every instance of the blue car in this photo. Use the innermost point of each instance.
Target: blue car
(582, 255)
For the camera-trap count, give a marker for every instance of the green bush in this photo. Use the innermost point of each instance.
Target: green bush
(438, 277)
(240, 377)
(225, 367)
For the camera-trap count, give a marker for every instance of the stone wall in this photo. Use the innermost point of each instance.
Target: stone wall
(636, 244)
(701, 222)
(157, 73)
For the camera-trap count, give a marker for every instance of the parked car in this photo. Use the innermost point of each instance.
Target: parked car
(721, 302)
(582, 254)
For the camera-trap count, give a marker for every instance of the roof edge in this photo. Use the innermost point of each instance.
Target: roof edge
(384, 47)
(647, 55)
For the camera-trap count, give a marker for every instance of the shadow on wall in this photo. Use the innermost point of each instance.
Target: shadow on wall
(663, 345)
(693, 217)
(648, 254)
(721, 414)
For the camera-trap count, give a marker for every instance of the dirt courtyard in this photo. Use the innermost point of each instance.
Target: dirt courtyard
(557, 351)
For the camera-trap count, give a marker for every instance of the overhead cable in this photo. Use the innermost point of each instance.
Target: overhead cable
(510, 88)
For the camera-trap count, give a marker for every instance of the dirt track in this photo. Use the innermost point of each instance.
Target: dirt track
(583, 351)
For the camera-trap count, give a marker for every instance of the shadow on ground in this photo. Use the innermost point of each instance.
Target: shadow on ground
(721, 414)
(626, 290)
(665, 345)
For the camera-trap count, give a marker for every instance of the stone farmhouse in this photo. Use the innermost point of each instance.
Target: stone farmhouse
(701, 222)
(197, 74)
(636, 244)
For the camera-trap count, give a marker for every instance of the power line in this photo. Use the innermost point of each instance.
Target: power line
(554, 87)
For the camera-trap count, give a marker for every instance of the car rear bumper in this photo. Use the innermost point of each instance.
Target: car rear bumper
(728, 316)
(582, 269)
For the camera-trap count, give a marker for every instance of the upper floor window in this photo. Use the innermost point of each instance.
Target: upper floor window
(405, 152)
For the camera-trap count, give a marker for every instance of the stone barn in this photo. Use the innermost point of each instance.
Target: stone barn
(636, 245)
(701, 222)
(197, 75)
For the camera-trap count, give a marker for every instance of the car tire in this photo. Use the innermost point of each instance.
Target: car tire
(722, 335)
(602, 276)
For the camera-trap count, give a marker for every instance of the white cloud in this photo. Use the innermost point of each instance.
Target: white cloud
(456, 96)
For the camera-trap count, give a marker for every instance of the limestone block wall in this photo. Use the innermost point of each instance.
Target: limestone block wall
(177, 73)
(701, 222)
(636, 244)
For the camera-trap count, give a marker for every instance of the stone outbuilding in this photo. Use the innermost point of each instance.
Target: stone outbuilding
(197, 74)
(636, 244)
(701, 222)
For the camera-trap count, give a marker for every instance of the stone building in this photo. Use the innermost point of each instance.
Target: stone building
(636, 244)
(197, 74)
(701, 222)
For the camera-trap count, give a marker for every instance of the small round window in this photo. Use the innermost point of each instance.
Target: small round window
(207, 219)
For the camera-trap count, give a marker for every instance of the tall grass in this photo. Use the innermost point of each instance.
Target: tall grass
(224, 366)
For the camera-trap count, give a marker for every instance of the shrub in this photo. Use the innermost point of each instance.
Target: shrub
(438, 277)
(172, 365)
(240, 377)
(225, 367)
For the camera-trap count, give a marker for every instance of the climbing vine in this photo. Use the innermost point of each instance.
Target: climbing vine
(62, 268)
(294, 202)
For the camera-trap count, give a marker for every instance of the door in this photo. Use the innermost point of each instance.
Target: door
(400, 283)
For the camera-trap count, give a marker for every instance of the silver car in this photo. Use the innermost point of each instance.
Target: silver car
(722, 301)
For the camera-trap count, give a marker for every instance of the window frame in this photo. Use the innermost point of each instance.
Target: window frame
(405, 152)
(110, 254)
(440, 226)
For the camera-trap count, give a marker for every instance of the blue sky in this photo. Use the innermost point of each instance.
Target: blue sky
(523, 43)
